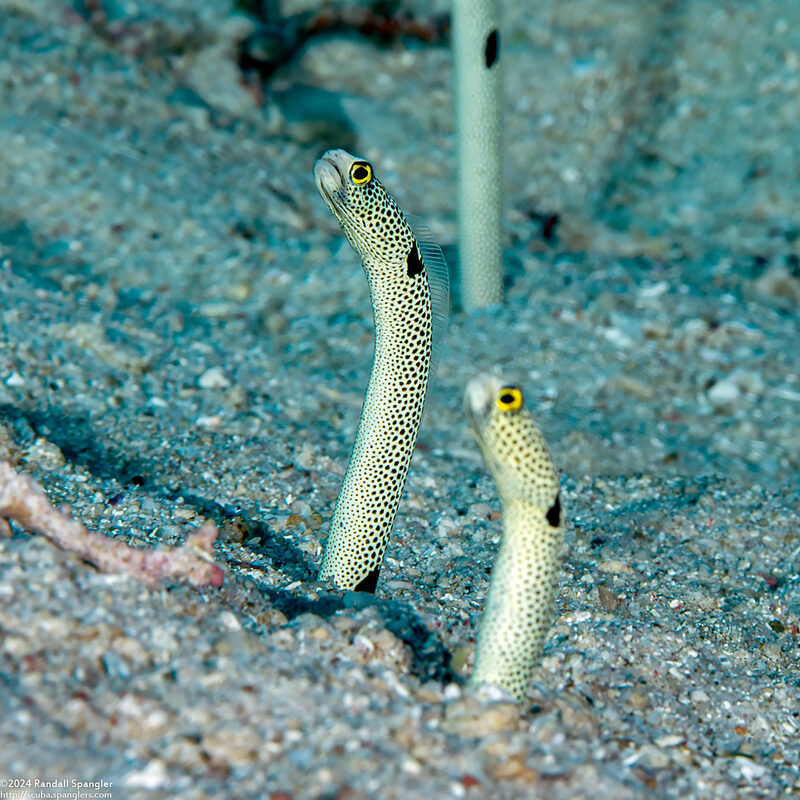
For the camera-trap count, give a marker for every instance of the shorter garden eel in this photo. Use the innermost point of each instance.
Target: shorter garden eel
(519, 603)
(408, 285)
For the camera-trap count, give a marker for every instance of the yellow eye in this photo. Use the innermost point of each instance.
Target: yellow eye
(361, 173)
(509, 399)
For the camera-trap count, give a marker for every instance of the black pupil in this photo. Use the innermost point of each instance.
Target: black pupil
(506, 399)
(360, 173)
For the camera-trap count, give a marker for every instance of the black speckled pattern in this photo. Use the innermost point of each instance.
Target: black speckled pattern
(519, 604)
(370, 494)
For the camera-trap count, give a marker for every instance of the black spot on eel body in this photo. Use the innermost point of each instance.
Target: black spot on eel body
(491, 52)
(369, 583)
(413, 262)
(554, 514)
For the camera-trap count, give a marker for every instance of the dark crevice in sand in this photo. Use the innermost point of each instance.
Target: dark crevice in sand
(430, 659)
(78, 442)
(282, 554)
(20, 239)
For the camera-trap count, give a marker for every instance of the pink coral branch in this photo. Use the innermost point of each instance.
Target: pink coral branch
(23, 501)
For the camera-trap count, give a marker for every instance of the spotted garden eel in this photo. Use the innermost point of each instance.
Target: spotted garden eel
(519, 604)
(478, 109)
(408, 284)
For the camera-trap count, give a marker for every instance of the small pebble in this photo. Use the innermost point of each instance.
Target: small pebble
(698, 696)
(214, 378)
(153, 776)
(469, 718)
(608, 599)
(614, 567)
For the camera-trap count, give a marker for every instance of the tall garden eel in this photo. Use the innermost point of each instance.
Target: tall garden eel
(519, 604)
(479, 136)
(408, 285)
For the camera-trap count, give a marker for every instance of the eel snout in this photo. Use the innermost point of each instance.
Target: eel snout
(330, 171)
(479, 396)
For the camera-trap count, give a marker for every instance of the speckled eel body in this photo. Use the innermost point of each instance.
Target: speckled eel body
(407, 278)
(479, 135)
(519, 605)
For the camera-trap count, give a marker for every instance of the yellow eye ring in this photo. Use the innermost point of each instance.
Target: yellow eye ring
(360, 173)
(509, 399)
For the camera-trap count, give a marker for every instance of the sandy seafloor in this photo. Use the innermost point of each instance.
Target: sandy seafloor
(186, 335)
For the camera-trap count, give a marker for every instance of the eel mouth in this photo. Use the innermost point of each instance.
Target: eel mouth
(478, 398)
(327, 177)
(330, 171)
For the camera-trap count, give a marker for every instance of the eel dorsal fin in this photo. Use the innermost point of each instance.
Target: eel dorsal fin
(438, 282)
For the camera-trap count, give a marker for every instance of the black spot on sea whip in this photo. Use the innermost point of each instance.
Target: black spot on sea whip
(554, 514)
(413, 262)
(491, 53)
